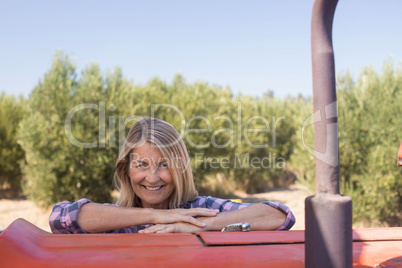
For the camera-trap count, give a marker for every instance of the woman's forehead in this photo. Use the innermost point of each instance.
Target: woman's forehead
(147, 151)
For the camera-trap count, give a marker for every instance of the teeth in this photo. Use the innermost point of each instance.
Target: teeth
(153, 188)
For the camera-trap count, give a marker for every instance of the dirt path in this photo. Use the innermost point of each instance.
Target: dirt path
(11, 210)
(293, 197)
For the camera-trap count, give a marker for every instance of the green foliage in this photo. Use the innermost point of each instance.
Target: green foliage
(57, 166)
(370, 121)
(11, 113)
(369, 136)
(301, 162)
(265, 142)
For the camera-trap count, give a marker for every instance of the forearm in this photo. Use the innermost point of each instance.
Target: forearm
(94, 218)
(261, 217)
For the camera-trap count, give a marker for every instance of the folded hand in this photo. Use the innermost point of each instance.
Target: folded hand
(170, 216)
(179, 227)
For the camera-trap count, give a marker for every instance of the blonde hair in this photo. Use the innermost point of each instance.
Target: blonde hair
(173, 149)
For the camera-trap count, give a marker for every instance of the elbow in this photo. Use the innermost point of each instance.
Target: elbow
(60, 221)
(280, 217)
(56, 222)
(287, 221)
(281, 220)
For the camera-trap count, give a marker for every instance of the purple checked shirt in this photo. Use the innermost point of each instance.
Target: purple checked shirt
(63, 219)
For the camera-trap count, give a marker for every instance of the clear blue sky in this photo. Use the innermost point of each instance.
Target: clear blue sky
(251, 46)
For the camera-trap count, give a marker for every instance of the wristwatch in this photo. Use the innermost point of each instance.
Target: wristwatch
(237, 227)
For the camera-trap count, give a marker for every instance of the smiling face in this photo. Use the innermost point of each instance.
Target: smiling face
(150, 177)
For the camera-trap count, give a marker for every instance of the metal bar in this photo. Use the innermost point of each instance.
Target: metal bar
(326, 130)
(328, 235)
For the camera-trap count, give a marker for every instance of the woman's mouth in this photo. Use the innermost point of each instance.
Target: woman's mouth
(153, 188)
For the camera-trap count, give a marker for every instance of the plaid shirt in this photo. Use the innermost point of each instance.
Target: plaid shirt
(63, 219)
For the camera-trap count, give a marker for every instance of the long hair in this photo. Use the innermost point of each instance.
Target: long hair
(169, 142)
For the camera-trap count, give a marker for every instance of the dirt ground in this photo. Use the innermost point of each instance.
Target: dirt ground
(293, 197)
(12, 209)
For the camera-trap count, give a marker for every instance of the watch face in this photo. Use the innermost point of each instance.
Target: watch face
(237, 227)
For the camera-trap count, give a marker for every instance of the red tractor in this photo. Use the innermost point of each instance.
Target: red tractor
(328, 241)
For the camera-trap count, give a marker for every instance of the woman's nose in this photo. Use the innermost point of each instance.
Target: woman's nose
(152, 176)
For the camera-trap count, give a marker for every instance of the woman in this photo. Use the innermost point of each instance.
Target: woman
(154, 176)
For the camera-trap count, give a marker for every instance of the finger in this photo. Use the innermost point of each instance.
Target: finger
(193, 221)
(169, 229)
(153, 229)
(203, 212)
(148, 231)
(157, 228)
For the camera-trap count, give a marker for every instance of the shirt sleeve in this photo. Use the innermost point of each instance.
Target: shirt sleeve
(63, 219)
(227, 205)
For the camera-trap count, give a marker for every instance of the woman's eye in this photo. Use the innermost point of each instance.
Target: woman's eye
(164, 165)
(140, 165)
